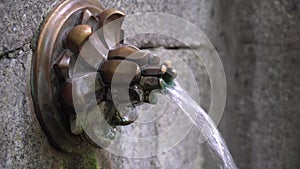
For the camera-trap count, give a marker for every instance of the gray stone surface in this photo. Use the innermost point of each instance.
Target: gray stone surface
(259, 44)
(23, 143)
(186, 154)
(195, 11)
(21, 19)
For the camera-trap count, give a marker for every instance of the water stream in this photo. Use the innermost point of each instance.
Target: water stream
(203, 123)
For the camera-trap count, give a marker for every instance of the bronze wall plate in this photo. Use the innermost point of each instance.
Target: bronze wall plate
(43, 81)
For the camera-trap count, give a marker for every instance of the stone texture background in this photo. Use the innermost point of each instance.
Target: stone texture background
(258, 42)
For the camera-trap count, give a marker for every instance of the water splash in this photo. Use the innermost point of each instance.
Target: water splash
(203, 123)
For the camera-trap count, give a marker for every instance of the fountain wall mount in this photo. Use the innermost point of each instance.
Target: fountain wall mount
(80, 41)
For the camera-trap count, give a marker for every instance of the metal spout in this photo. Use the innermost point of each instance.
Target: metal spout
(110, 70)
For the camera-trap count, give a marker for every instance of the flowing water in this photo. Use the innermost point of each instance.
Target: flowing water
(203, 123)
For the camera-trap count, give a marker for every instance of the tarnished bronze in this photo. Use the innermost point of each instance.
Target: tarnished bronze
(150, 98)
(168, 64)
(170, 75)
(150, 83)
(122, 52)
(109, 15)
(163, 69)
(112, 32)
(66, 97)
(124, 72)
(153, 59)
(44, 82)
(133, 54)
(156, 71)
(87, 16)
(63, 65)
(80, 31)
(77, 36)
(130, 53)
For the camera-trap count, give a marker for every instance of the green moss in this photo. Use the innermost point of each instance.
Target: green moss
(91, 162)
(87, 160)
(165, 85)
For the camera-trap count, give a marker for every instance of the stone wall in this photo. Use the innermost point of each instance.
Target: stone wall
(258, 42)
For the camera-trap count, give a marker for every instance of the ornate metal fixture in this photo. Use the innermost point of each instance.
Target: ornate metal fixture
(74, 33)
